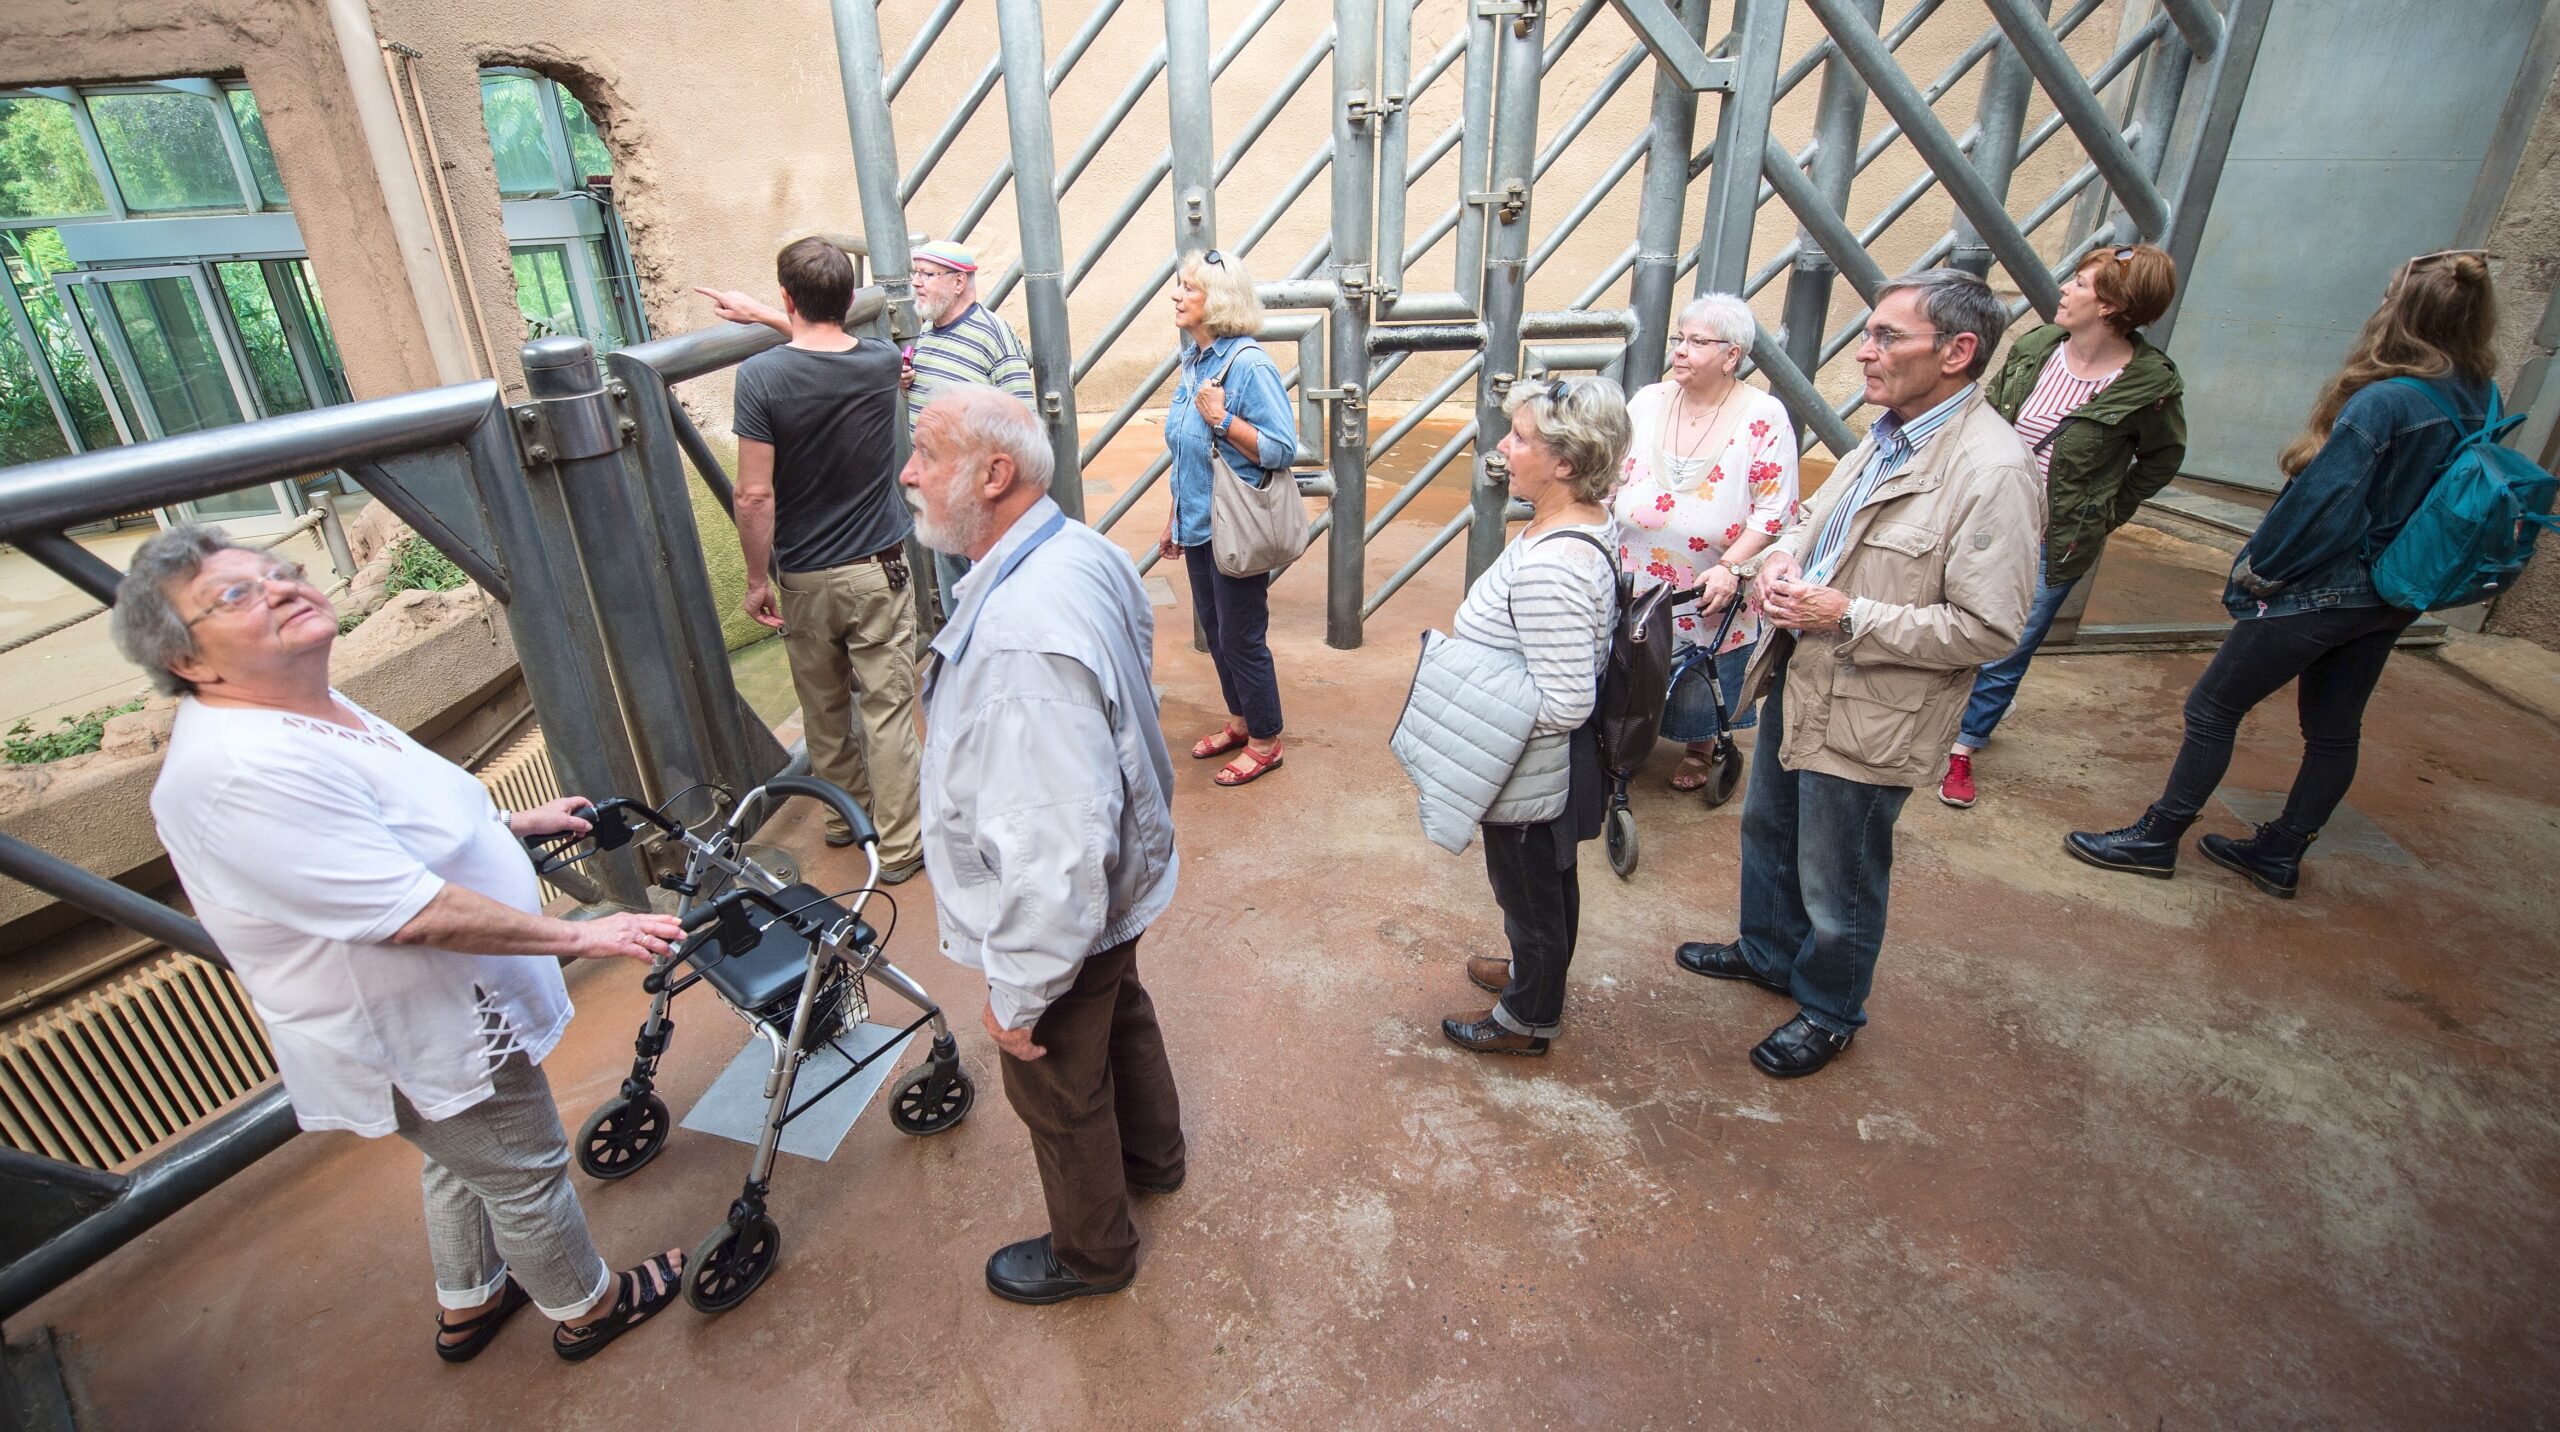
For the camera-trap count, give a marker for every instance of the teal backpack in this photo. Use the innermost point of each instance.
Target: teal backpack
(2475, 530)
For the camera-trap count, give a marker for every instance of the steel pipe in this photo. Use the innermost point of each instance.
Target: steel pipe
(1742, 128)
(2043, 57)
(104, 898)
(2198, 25)
(2244, 26)
(925, 36)
(73, 563)
(1464, 521)
(61, 493)
(1515, 137)
(1431, 468)
(1026, 105)
(1839, 113)
(706, 463)
(1355, 186)
(1659, 212)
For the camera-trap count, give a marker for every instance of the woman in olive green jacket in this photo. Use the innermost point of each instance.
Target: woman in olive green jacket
(2101, 411)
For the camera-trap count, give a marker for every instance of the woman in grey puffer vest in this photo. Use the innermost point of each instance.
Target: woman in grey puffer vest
(1550, 597)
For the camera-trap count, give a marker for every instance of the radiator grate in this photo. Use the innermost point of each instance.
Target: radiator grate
(107, 1076)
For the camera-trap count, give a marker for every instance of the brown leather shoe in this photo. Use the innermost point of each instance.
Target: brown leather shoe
(1483, 1034)
(1489, 973)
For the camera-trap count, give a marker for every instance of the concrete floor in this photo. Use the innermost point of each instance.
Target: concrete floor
(2113, 1152)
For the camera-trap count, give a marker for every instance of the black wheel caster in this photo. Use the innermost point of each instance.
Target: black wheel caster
(933, 1097)
(732, 1263)
(622, 1136)
(1724, 773)
(1622, 841)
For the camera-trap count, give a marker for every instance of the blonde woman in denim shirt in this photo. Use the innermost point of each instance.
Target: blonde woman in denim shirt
(1230, 394)
(2303, 590)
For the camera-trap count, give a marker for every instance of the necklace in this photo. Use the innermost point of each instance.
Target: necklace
(1715, 419)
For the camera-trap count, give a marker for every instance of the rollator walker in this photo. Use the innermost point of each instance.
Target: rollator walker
(792, 962)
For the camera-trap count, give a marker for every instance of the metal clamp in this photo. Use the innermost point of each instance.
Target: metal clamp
(1350, 404)
(1523, 13)
(1361, 110)
(1511, 200)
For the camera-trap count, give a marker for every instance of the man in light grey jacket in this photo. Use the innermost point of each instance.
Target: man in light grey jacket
(1049, 830)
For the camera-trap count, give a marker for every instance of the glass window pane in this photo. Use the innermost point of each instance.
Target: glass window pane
(587, 154)
(166, 150)
(28, 429)
(613, 326)
(32, 257)
(253, 137)
(305, 291)
(44, 168)
(511, 105)
(272, 369)
(542, 293)
(182, 371)
(93, 318)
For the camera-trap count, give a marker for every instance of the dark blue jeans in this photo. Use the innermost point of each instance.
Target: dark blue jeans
(1817, 859)
(1996, 685)
(1236, 614)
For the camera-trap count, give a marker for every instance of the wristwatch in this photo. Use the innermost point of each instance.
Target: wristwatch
(1226, 422)
(1848, 629)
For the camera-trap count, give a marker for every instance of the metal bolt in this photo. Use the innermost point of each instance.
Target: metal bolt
(630, 426)
(538, 452)
(618, 388)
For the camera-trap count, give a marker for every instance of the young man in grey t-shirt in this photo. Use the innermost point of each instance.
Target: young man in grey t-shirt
(818, 504)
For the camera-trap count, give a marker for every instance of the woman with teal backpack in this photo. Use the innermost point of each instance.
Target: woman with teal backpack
(2303, 589)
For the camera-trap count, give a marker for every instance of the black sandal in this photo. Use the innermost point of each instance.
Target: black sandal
(482, 1328)
(632, 1306)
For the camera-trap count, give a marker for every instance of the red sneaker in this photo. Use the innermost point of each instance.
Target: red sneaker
(1957, 789)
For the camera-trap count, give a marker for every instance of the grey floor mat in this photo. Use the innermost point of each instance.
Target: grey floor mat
(734, 1106)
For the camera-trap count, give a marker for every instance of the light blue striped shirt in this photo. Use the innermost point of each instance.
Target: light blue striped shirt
(1896, 444)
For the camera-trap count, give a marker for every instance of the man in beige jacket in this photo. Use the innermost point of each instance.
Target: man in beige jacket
(1912, 566)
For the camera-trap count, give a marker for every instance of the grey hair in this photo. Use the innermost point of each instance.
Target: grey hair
(1725, 316)
(1956, 302)
(146, 623)
(1583, 421)
(991, 420)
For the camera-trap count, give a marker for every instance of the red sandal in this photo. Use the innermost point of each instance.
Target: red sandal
(1210, 747)
(1229, 776)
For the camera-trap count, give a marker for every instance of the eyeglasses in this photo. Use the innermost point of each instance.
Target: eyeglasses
(2124, 255)
(1887, 337)
(2412, 265)
(1214, 257)
(1685, 341)
(249, 591)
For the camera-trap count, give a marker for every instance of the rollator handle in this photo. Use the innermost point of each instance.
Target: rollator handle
(831, 795)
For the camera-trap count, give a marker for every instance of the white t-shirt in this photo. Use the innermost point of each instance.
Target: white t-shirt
(305, 846)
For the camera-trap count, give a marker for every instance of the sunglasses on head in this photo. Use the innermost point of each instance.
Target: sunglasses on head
(1214, 257)
(2414, 264)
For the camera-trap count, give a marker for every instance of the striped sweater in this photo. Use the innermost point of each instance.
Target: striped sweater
(976, 347)
(1550, 598)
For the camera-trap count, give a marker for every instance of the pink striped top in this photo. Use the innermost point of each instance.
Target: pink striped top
(2059, 392)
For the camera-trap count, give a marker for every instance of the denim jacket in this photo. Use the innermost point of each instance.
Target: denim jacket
(2316, 548)
(1255, 395)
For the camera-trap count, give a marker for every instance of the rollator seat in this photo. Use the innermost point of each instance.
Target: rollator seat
(769, 970)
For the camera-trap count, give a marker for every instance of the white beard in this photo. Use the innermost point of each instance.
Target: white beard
(932, 311)
(966, 520)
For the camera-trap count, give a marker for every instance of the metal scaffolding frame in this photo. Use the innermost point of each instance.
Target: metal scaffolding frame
(1344, 305)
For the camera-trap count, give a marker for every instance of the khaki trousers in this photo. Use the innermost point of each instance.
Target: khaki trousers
(852, 641)
(1102, 1111)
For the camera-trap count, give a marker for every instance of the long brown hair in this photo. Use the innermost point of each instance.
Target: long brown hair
(2439, 317)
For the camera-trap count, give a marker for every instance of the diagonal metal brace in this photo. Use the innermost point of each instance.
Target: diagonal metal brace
(1672, 47)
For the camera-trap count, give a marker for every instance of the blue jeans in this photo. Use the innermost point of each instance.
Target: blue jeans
(1817, 859)
(1996, 685)
(1236, 614)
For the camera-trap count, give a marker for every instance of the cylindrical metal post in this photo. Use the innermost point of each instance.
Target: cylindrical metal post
(1044, 259)
(1838, 116)
(2000, 116)
(1665, 204)
(1195, 183)
(605, 522)
(1506, 274)
(1355, 174)
(1742, 135)
(875, 157)
(104, 898)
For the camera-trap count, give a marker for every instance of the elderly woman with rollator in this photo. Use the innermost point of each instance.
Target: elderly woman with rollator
(1710, 480)
(382, 915)
(1546, 602)
(1230, 407)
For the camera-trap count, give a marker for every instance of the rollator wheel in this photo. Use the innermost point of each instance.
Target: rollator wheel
(733, 1262)
(931, 1099)
(622, 1136)
(1622, 841)
(1725, 773)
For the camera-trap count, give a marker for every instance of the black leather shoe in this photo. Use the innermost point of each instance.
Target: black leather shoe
(1029, 1272)
(2149, 846)
(1725, 962)
(1489, 973)
(1174, 1185)
(1797, 1048)
(1487, 1035)
(2271, 858)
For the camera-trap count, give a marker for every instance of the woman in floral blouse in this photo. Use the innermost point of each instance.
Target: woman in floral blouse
(1710, 480)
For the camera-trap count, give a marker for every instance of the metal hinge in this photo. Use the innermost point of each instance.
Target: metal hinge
(1522, 13)
(1512, 199)
(1354, 281)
